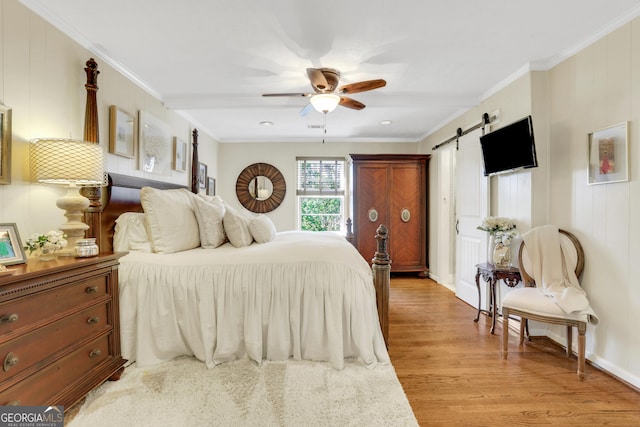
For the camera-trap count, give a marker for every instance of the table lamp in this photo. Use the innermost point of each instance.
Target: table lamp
(72, 163)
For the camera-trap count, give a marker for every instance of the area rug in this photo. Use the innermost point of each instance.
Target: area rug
(242, 393)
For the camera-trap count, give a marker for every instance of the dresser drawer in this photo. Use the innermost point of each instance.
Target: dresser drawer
(43, 386)
(30, 351)
(22, 313)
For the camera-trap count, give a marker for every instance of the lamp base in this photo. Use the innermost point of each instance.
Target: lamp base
(73, 203)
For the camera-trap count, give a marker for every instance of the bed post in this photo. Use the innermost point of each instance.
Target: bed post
(93, 214)
(381, 265)
(349, 235)
(194, 164)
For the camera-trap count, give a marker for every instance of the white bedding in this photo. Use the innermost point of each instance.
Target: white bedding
(304, 295)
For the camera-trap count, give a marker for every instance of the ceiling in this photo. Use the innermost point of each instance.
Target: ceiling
(212, 60)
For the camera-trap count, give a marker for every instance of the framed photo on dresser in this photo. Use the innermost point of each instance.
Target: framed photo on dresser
(11, 250)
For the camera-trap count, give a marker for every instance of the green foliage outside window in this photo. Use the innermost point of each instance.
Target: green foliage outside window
(320, 213)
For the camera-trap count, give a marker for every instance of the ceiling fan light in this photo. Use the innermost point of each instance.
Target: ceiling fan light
(325, 102)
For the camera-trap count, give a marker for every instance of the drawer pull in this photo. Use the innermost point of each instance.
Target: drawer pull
(91, 289)
(95, 353)
(9, 361)
(92, 320)
(9, 318)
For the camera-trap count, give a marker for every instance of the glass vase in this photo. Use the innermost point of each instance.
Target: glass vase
(491, 244)
(46, 255)
(502, 256)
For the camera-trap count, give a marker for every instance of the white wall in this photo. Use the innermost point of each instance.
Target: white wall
(596, 88)
(42, 80)
(234, 157)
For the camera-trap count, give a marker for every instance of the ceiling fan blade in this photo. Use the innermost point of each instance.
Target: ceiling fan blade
(351, 103)
(318, 80)
(286, 94)
(306, 110)
(361, 86)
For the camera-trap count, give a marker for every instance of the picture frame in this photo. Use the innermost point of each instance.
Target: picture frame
(11, 249)
(122, 140)
(608, 153)
(202, 176)
(211, 186)
(5, 145)
(154, 144)
(179, 155)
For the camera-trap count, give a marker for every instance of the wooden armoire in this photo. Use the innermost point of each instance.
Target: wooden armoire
(391, 189)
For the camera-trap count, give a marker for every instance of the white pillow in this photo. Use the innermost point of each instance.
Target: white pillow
(170, 218)
(209, 218)
(131, 233)
(236, 226)
(216, 200)
(262, 229)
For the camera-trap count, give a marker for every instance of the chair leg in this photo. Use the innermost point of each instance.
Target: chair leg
(582, 330)
(523, 323)
(569, 340)
(505, 333)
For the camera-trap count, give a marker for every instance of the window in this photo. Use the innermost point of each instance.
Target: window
(320, 192)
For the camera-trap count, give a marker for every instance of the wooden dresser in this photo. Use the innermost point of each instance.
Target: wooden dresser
(391, 189)
(59, 330)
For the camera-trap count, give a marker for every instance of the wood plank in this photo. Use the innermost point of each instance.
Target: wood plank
(453, 373)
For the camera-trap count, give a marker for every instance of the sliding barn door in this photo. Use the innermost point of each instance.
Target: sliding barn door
(472, 206)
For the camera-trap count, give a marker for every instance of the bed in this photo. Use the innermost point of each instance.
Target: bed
(300, 295)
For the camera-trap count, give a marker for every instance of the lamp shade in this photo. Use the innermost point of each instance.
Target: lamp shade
(66, 161)
(325, 102)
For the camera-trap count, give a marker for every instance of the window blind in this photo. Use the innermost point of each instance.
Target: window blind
(320, 176)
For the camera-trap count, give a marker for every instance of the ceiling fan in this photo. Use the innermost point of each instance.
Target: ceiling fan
(327, 95)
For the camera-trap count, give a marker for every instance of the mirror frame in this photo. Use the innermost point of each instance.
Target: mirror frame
(277, 195)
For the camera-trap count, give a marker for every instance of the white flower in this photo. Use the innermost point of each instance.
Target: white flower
(50, 242)
(492, 224)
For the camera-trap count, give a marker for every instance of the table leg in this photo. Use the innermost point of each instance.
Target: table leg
(479, 299)
(492, 301)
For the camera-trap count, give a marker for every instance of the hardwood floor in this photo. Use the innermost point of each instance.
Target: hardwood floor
(453, 373)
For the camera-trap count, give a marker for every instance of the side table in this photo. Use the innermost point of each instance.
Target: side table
(492, 275)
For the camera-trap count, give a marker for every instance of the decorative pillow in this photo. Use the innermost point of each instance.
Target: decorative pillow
(170, 218)
(236, 226)
(209, 218)
(216, 200)
(262, 229)
(131, 233)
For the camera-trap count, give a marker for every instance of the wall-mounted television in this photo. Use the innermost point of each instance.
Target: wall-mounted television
(509, 148)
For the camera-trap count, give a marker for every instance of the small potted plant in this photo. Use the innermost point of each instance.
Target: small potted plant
(46, 245)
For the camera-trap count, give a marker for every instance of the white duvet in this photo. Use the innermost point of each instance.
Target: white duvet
(304, 295)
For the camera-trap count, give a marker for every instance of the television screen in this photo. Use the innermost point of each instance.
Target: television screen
(510, 147)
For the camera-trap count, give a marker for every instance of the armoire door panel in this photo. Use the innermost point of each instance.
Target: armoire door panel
(370, 190)
(406, 243)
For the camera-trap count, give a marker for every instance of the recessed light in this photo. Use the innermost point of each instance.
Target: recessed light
(385, 122)
(265, 123)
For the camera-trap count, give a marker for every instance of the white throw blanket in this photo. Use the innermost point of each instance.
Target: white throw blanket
(551, 273)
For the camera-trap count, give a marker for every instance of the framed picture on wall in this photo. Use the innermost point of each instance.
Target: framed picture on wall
(11, 250)
(202, 176)
(154, 144)
(211, 186)
(179, 155)
(609, 154)
(5, 145)
(121, 133)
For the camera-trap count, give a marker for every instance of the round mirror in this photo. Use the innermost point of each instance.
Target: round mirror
(260, 187)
